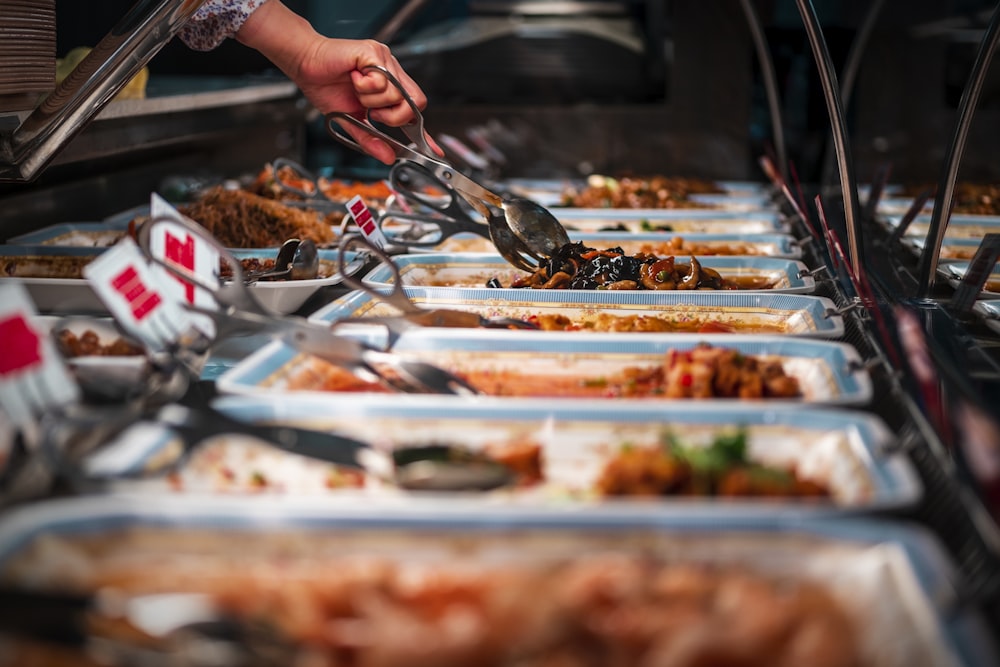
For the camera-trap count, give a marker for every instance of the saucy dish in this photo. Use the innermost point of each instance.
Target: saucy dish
(576, 266)
(325, 602)
(660, 192)
(969, 198)
(670, 468)
(674, 246)
(699, 373)
(607, 322)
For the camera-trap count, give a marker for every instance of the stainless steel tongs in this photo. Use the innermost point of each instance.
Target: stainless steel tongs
(522, 231)
(239, 313)
(411, 315)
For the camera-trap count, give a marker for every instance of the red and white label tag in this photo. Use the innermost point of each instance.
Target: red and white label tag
(136, 296)
(366, 222)
(174, 243)
(33, 376)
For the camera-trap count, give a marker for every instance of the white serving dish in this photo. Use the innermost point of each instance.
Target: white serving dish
(828, 373)
(895, 583)
(75, 295)
(848, 452)
(473, 270)
(795, 314)
(763, 245)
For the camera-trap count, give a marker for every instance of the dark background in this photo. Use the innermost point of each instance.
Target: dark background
(700, 110)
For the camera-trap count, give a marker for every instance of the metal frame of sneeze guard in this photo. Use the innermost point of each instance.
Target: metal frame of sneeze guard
(126, 49)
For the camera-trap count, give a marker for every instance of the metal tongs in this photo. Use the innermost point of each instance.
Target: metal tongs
(439, 214)
(523, 231)
(239, 313)
(413, 315)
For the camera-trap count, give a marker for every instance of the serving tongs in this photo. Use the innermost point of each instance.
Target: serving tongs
(239, 313)
(411, 315)
(522, 230)
(298, 197)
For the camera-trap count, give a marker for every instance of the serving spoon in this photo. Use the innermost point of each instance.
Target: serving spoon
(296, 260)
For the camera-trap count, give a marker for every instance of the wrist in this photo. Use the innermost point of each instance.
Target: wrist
(285, 46)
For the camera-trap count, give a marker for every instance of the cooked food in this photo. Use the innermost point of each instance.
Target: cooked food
(673, 246)
(699, 373)
(266, 185)
(669, 468)
(89, 344)
(236, 465)
(654, 192)
(576, 266)
(46, 266)
(970, 198)
(327, 605)
(240, 219)
(605, 321)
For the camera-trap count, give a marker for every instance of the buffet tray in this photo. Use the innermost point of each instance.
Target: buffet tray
(549, 191)
(765, 245)
(828, 373)
(713, 221)
(473, 270)
(955, 271)
(75, 234)
(894, 583)
(959, 226)
(63, 295)
(851, 453)
(796, 314)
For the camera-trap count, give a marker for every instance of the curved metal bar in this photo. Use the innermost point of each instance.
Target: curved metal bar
(107, 69)
(770, 85)
(835, 109)
(946, 187)
(851, 67)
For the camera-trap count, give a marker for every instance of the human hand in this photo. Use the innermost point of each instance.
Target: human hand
(330, 72)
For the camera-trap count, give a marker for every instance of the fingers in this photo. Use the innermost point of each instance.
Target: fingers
(370, 144)
(376, 92)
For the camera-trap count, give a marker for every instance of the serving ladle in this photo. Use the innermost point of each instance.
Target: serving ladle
(296, 260)
(530, 228)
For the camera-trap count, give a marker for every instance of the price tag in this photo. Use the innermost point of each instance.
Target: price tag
(173, 242)
(365, 221)
(33, 376)
(136, 297)
(977, 274)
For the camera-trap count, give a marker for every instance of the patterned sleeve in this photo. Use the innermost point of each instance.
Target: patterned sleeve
(215, 21)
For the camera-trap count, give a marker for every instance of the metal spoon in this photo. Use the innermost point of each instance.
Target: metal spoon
(535, 226)
(282, 262)
(305, 263)
(297, 260)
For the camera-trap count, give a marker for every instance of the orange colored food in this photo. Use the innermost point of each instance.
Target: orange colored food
(702, 372)
(661, 192)
(648, 323)
(603, 608)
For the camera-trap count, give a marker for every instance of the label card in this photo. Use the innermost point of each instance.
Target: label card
(33, 376)
(136, 296)
(363, 218)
